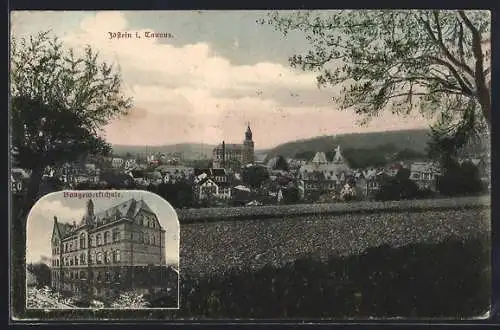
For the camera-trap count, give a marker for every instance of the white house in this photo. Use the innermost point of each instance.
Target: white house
(206, 186)
(424, 174)
(117, 162)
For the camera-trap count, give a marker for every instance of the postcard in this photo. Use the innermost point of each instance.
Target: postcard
(315, 165)
(102, 249)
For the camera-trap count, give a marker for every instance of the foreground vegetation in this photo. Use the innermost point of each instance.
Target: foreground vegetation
(450, 279)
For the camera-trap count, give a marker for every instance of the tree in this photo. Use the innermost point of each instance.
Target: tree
(398, 187)
(254, 176)
(59, 102)
(41, 272)
(433, 60)
(291, 195)
(460, 179)
(281, 164)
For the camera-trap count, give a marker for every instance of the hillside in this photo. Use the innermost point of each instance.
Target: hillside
(187, 150)
(411, 139)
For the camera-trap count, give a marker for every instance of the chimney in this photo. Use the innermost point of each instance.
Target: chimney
(223, 154)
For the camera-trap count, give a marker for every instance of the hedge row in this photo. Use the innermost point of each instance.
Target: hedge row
(273, 211)
(450, 279)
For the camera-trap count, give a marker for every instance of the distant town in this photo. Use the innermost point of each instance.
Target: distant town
(235, 176)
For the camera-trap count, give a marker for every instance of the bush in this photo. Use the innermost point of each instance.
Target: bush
(450, 279)
(460, 179)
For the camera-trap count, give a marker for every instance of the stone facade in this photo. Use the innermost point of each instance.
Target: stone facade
(233, 156)
(116, 249)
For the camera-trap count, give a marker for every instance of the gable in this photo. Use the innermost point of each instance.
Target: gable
(208, 183)
(55, 234)
(145, 215)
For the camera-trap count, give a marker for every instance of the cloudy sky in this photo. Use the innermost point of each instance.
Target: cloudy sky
(41, 220)
(219, 71)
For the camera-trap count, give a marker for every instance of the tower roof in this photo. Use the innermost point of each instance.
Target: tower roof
(248, 133)
(319, 158)
(338, 155)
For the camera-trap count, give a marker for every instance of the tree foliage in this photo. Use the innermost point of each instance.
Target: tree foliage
(433, 60)
(254, 176)
(460, 179)
(281, 164)
(60, 100)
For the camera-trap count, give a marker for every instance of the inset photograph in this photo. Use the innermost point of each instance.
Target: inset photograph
(102, 249)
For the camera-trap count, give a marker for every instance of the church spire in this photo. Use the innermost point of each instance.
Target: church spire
(338, 155)
(248, 133)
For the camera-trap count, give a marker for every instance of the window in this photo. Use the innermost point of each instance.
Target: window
(82, 259)
(117, 277)
(116, 235)
(116, 256)
(71, 262)
(107, 257)
(82, 241)
(99, 258)
(153, 240)
(106, 238)
(83, 275)
(99, 239)
(107, 276)
(76, 261)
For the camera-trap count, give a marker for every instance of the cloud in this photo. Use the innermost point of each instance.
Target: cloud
(50, 208)
(40, 224)
(189, 70)
(190, 93)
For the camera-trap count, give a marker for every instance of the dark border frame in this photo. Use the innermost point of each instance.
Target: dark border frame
(197, 5)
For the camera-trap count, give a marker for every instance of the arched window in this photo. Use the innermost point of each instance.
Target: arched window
(107, 257)
(83, 275)
(99, 258)
(82, 241)
(76, 261)
(99, 239)
(153, 240)
(106, 238)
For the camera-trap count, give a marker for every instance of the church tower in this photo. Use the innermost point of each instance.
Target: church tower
(248, 147)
